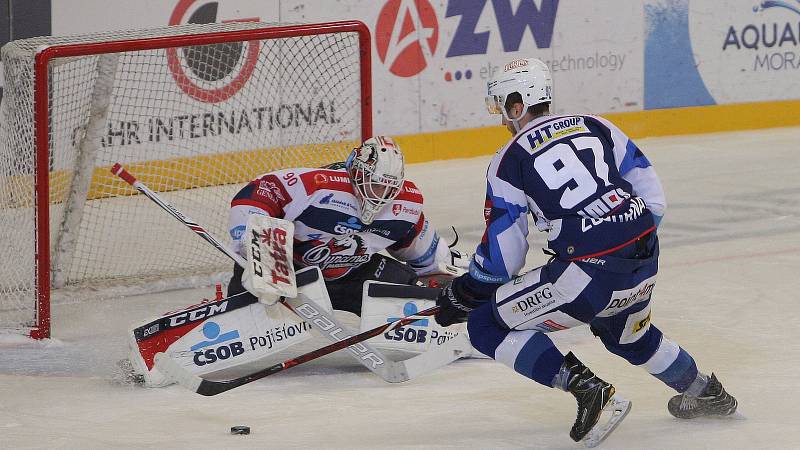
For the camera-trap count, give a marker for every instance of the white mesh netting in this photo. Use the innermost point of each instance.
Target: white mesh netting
(193, 122)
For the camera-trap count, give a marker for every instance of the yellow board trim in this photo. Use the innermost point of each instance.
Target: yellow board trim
(473, 142)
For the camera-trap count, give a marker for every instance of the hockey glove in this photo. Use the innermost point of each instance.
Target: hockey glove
(454, 304)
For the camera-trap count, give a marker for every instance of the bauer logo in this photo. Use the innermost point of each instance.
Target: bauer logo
(211, 73)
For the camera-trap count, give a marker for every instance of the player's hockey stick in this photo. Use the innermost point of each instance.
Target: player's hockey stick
(418, 364)
(306, 308)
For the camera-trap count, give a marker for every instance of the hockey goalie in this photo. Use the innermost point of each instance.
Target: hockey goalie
(329, 224)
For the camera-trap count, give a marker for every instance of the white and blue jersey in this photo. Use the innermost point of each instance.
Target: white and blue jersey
(581, 179)
(597, 196)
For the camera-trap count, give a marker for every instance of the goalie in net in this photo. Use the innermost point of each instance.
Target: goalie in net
(343, 215)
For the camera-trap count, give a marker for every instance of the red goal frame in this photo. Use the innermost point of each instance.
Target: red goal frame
(41, 117)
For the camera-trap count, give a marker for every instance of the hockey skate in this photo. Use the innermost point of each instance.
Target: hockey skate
(596, 400)
(714, 401)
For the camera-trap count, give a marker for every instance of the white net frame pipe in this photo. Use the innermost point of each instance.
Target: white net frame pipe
(195, 111)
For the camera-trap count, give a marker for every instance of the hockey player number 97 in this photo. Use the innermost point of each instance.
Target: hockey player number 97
(570, 168)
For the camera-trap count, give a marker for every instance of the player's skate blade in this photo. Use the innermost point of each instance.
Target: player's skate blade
(613, 413)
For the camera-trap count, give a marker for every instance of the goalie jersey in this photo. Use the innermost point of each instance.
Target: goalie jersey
(328, 232)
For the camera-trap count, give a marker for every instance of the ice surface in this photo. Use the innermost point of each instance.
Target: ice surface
(727, 292)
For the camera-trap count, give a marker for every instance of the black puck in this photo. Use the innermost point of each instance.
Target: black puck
(240, 429)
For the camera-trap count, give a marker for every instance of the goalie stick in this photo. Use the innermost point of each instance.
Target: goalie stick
(323, 322)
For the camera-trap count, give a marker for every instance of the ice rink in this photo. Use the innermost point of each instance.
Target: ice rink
(727, 293)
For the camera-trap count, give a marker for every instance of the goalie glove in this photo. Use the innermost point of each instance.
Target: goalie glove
(446, 261)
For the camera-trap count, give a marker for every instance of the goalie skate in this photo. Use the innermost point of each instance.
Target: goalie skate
(612, 415)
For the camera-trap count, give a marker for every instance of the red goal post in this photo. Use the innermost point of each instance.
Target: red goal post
(196, 110)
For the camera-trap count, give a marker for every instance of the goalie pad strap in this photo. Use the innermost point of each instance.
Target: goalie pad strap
(398, 291)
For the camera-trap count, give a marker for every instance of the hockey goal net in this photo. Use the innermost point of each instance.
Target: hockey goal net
(195, 111)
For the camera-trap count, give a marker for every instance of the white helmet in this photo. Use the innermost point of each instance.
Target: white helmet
(529, 77)
(376, 169)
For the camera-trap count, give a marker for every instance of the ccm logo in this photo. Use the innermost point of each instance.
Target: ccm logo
(197, 314)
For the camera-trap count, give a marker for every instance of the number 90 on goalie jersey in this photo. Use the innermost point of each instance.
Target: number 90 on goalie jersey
(383, 303)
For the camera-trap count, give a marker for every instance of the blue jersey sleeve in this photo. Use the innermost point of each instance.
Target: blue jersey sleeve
(501, 254)
(636, 169)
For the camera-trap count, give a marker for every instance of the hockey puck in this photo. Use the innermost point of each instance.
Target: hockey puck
(240, 429)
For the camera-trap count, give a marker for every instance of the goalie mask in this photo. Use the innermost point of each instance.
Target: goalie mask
(376, 170)
(528, 77)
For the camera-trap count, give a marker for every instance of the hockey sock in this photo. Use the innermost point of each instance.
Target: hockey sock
(528, 352)
(532, 354)
(673, 366)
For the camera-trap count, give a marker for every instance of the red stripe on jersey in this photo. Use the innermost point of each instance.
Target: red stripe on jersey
(335, 180)
(412, 234)
(270, 191)
(270, 209)
(613, 249)
(410, 193)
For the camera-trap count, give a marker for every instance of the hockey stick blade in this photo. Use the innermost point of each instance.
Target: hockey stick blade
(415, 366)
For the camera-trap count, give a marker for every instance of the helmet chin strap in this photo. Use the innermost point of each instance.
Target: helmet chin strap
(515, 120)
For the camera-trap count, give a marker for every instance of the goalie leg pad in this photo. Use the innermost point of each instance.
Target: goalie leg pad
(223, 337)
(386, 302)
